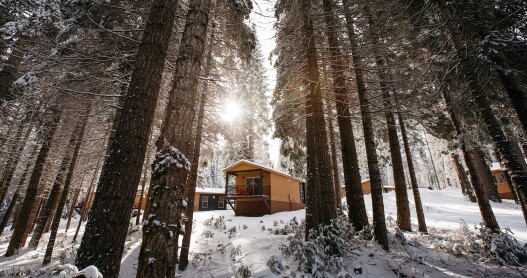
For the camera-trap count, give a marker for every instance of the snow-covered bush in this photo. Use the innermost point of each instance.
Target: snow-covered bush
(242, 271)
(484, 246)
(288, 228)
(321, 254)
(207, 234)
(71, 271)
(218, 223)
(232, 232)
(275, 264)
(236, 252)
(503, 247)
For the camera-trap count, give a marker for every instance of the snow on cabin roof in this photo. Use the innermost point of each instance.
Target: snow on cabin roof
(496, 166)
(210, 190)
(260, 166)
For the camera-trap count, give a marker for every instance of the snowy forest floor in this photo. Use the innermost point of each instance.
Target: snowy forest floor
(447, 251)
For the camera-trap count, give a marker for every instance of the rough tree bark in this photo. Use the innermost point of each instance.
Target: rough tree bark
(319, 179)
(411, 169)
(158, 254)
(23, 222)
(352, 179)
(14, 201)
(54, 195)
(333, 148)
(65, 191)
(489, 187)
(401, 194)
(191, 183)
(466, 188)
(122, 169)
(379, 222)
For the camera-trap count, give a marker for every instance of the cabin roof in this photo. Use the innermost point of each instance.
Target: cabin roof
(496, 166)
(260, 166)
(210, 190)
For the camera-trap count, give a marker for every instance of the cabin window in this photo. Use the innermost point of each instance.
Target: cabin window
(253, 186)
(501, 178)
(204, 201)
(221, 202)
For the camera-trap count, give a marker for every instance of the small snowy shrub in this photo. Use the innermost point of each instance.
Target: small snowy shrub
(288, 228)
(503, 247)
(245, 227)
(242, 271)
(485, 246)
(321, 254)
(207, 234)
(275, 223)
(236, 252)
(218, 223)
(275, 264)
(232, 232)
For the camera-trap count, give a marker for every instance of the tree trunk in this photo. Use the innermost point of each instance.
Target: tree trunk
(352, 179)
(16, 203)
(318, 160)
(379, 222)
(401, 193)
(413, 178)
(477, 185)
(54, 195)
(79, 132)
(23, 222)
(122, 169)
(191, 183)
(158, 254)
(504, 146)
(466, 188)
(489, 187)
(333, 148)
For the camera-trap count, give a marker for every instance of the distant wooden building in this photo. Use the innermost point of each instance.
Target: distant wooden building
(366, 188)
(138, 199)
(209, 199)
(261, 190)
(498, 175)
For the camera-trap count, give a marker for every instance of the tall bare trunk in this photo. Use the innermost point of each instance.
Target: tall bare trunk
(24, 222)
(122, 169)
(489, 187)
(318, 160)
(158, 254)
(333, 148)
(15, 201)
(411, 170)
(379, 222)
(191, 183)
(352, 179)
(483, 201)
(52, 202)
(466, 188)
(65, 191)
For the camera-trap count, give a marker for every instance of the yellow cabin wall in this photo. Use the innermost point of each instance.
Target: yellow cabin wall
(196, 201)
(366, 187)
(282, 187)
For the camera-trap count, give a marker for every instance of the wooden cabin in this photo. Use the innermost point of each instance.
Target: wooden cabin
(138, 199)
(260, 190)
(498, 175)
(366, 188)
(209, 199)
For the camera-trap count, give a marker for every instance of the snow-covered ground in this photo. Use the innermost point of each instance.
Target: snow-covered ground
(219, 251)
